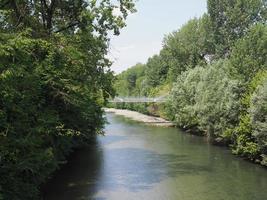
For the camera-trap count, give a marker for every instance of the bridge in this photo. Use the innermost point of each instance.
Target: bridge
(139, 99)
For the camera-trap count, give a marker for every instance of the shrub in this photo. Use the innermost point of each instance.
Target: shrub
(258, 114)
(206, 98)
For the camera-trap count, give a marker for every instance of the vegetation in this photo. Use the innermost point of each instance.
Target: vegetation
(213, 70)
(54, 78)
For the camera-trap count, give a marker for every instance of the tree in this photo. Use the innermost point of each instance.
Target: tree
(248, 56)
(187, 48)
(231, 19)
(156, 71)
(258, 113)
(128, 83)
(54, 78)
(47, 17)
(205, 98)
(246, 140)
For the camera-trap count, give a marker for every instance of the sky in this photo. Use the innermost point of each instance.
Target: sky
(145, 30)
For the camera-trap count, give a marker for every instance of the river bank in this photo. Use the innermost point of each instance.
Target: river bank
(136, 116)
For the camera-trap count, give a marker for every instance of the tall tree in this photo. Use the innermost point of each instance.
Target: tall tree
(187, 47)
(156, 71)
(231, 20)
(249, 54)
(53, 16)
(54, 78)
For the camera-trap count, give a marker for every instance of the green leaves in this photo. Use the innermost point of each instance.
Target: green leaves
(230, 20)
(258, 113)
(248, 56)
(54, 78)
(205, 98)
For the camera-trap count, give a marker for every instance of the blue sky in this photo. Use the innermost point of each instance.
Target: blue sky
(142, 38)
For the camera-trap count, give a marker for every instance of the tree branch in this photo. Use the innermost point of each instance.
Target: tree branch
(4, 4)
(67, 27)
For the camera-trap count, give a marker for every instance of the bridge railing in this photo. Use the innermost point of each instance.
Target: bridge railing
(138, 99)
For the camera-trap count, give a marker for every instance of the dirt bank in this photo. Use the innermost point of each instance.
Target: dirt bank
(155, 121)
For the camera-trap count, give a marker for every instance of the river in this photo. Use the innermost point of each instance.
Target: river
(134, 161)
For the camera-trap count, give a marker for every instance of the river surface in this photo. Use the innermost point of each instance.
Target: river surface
(134, 161)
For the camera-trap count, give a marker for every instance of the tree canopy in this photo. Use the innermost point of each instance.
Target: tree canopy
(213, 69)
(54, 79)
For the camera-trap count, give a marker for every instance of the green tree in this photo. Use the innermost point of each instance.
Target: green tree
(187, 48)
(54, 16)
(206, 98)
(231, 19)
(246, 141)
(129, 82)
(156, 71)
(54, 78)
(248, 56)
(258, 113)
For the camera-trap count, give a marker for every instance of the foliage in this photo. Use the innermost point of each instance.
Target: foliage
(187, 47)
(156, 71)
(230, 20)
(215, 67)
(258, 113)
(54, 16)
(182, 98)
(54, 78)
(206, 98)
(249, 134)
(249, 54)
(130, 82)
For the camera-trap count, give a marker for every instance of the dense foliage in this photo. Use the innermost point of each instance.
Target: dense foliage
(54, 78)
(205, 98)
(213, 70)
(258, 113)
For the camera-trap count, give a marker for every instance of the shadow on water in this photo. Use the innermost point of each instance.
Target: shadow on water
(76, 179)
(91, 170)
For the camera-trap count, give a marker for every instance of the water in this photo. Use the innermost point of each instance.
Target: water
(138, 162)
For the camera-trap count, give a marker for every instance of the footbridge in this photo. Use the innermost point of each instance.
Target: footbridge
(138, 99)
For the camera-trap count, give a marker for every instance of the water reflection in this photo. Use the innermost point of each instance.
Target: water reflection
(134, 161)
(144, 168)
(78, 178)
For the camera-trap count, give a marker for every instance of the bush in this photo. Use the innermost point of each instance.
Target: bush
(246, 140)
(181, 102)
(258, 114)
(206, 98)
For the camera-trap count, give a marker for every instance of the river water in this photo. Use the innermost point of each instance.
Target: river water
(134, 161)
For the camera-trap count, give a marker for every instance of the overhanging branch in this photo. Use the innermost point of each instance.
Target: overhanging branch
(67, 27)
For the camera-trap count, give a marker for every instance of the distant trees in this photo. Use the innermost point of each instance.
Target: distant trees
(156, 71)
(214, 68)
(130, 82)
(182, 50)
